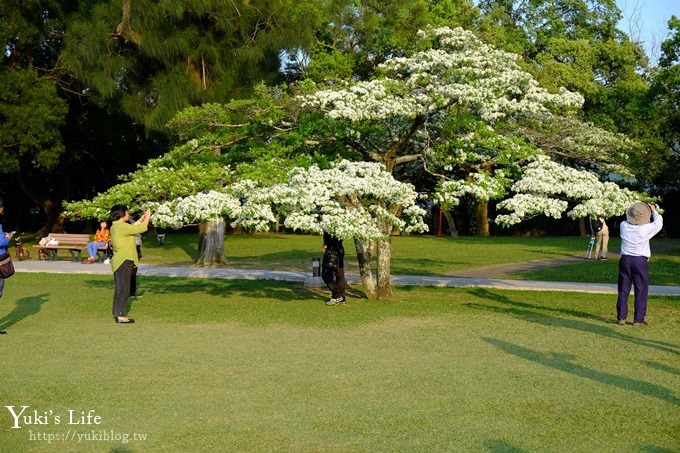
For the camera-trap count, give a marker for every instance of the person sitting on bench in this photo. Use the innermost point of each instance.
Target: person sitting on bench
(101, 239)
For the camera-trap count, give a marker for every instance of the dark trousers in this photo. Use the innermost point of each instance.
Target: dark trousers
(335, 280)
(122, 278)
(633, 271)
(133, 282)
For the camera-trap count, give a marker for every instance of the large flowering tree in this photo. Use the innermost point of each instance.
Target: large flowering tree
(418, 106)
(465, 109)
(350, 200)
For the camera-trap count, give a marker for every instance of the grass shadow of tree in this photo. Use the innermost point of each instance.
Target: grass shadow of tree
(565, 363)
(501, 446)
(534, 313)
(270, 289)
(661, 367)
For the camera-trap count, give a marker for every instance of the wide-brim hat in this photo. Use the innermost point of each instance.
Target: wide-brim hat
(639, 213)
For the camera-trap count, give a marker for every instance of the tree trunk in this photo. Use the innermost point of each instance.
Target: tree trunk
(364, 259)
(452, 225)
(54, 222)
(582, 227)
(482, 218)
(384, 267)
(51, 207)
(211, 243)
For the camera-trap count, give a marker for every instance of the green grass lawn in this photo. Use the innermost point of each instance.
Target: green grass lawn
(663, 270)
(426, 255)
(422, 255)
(220, 365)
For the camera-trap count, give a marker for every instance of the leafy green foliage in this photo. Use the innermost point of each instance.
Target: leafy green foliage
(30, 116)
(357, 36)
(157, 58)
(152, 183)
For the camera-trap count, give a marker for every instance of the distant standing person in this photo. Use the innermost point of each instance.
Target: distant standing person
(160, 235)
(636, 231)
(601, 231)
(333, 268)
(125, 258)
(138, 238)
(138, 245)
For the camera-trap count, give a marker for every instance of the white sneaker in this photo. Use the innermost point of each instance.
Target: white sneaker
(107, 261)
(339, 301)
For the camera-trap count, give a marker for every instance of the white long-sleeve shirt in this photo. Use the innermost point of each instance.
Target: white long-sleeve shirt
(635, 238)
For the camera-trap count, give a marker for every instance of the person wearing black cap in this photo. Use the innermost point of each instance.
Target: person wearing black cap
(636, 231)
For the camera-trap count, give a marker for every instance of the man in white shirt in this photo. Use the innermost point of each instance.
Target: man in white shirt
(636, 231)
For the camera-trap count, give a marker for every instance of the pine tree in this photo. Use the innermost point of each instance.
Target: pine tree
(155, 58)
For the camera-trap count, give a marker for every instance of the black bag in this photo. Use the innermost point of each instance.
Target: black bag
(6, 266)
(596, 225)
(331, 259)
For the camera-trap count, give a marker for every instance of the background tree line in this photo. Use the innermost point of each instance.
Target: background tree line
(92, 89)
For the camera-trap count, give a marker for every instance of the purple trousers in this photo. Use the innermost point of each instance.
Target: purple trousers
(633, 271)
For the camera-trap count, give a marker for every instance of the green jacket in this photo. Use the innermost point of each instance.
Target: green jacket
(123, 242)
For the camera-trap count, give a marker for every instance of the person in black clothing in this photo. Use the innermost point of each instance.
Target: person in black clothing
(333, 268)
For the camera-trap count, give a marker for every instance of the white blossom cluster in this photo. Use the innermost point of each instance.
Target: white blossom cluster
(548, 188)
(480, 186)
(524, 206)
(458, 69)
(375, 99)
(351, 199)
(200, 207)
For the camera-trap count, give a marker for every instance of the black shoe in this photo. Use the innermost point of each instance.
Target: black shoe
(124, 321)
(2, 332)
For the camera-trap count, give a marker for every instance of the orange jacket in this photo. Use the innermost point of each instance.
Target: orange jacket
(102, 235)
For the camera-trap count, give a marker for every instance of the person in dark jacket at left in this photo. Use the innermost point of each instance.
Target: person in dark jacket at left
(333, 268)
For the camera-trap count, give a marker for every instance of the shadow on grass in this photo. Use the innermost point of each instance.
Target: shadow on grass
(25, 307)
(654, 449)
(294, 259)
(501, 446)
(255, 289)
(532, 313)
(121, 450)
(661, 367)
(564, 362)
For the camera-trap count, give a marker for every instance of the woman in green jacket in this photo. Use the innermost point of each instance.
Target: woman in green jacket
(125, 259)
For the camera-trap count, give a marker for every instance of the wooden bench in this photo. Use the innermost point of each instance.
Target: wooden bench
(74, 243)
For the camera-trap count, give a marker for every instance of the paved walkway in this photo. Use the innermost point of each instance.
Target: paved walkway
(69, 267)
